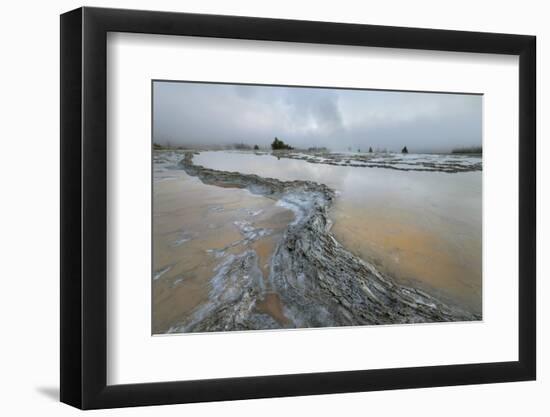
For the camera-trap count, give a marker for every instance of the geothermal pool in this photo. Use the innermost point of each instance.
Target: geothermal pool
(417, 218)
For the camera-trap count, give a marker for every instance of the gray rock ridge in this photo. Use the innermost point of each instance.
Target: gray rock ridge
(450, 164)
(319, 282)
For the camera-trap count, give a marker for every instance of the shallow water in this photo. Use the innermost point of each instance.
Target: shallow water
(197, 226)
(422, 228)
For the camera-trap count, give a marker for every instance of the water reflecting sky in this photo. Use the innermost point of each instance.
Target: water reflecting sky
(423, 228)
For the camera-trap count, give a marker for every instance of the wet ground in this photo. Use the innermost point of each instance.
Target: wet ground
(194, 227)
(422, 227)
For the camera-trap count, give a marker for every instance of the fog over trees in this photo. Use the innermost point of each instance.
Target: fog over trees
(209, 114)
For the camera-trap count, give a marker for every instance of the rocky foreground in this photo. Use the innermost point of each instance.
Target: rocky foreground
(318, 281)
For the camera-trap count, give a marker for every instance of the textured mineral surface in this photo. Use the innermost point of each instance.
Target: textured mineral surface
(317, 281)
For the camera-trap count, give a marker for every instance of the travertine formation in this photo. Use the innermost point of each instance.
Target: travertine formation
(449, 164)
(318, 281)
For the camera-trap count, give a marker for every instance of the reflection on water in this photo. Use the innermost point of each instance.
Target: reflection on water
(194, 227)
(422, 228)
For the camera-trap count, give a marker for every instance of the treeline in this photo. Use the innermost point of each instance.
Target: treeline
(378, 150)
(243, 147)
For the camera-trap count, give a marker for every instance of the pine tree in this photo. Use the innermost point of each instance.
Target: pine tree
(279, 144)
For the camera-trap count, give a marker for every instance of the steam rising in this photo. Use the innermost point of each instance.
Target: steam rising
(208, 114)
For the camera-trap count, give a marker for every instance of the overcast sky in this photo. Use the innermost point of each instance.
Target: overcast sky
(219, 114)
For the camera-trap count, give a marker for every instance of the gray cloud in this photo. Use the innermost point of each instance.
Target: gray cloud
(221, 114)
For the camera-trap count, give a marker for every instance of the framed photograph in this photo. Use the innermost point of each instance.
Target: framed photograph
(257, 207)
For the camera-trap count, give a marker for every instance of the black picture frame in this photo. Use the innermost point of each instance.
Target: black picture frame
(84, 207)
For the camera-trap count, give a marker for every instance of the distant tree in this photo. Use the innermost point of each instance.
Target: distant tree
(370, 149)
(358, 150)
(256, 147)
(404, 150)
(279, 145)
